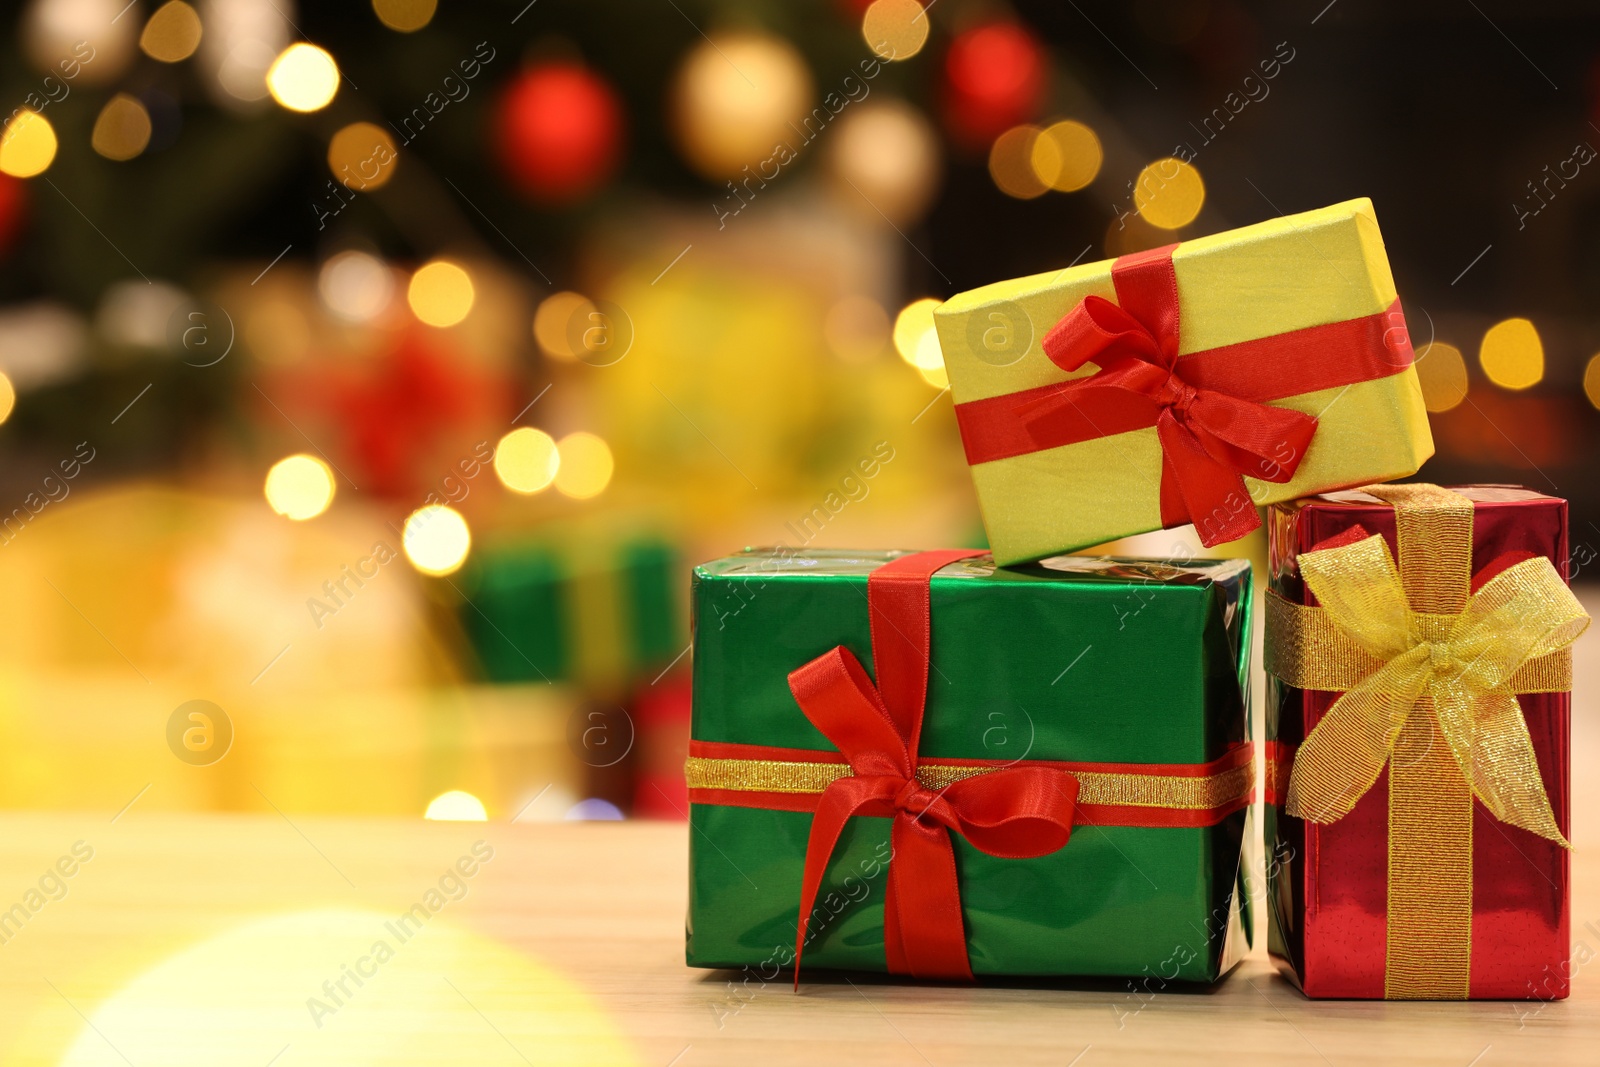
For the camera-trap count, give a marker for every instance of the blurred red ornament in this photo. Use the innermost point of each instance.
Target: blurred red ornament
(13, 199)
(994, 79)
(558, 129)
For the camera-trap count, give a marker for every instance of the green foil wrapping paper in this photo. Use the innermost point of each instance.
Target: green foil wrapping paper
(1073, 658)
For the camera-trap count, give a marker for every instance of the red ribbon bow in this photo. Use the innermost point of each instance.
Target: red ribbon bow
(1209, 439)
(1012, 812)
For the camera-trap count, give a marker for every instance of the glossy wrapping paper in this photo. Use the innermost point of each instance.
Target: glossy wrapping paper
(1328, 883)
(1074, 659)
(1270, 280)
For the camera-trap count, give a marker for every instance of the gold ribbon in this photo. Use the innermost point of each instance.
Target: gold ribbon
(1420, 658)
(1183, 792)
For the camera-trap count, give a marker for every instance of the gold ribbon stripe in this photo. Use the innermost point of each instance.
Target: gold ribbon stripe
(1094, 787)
(1309, 650)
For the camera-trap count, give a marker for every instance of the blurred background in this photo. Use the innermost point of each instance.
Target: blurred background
(372, 373)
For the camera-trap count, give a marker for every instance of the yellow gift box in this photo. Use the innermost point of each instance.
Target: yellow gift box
(1123, 396)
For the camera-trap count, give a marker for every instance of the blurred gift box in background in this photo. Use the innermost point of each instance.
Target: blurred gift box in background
(371, 374)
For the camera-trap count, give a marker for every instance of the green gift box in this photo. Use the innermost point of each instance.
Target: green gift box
(1005, 709)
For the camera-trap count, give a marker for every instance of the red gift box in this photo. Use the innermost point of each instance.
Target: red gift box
(1363, 903)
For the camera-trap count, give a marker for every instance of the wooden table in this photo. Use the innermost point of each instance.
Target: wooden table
(207, 939)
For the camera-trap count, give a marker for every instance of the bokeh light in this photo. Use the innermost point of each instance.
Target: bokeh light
(1066, 156)
(27, 145)
(526, 460)
(441, 293)
(594, 809)
(1011, 163)
(1512, 355)
(363, 156)
(915, 337)
(1591, 380)
(299, 487)
(895, 29)
(1169, 193)
(303, 78)
(585, 466)
(887, 155)
(1443, 374)
(407, 16)
(122, 131)
(457, 805)
(856, 328)
(172, 34)
(356, 286)
(436, 540)
(551, 320)
(8, 397)
(735, 97)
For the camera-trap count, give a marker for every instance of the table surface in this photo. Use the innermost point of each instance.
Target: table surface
(213, 939)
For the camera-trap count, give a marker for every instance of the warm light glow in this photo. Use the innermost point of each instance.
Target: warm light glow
(1011, 163)
(123, 129)
(363, 156)
(28, 145)
(172, 34)
(436, 539)
(1591, 380)
(356, 286)
(551, 321)
(915, 337)
(895, 29)
(456, 806)
(407, 16)
(8, 398)
(1066, 156)
(440, 293)
(585, 466)
(886, 155)
(1169, 193)
(734, 98)
(300, 487)
(856, 328)
(526, 460)
(1512, 354)
(1443, 374)
(935, 376)
(303, 78)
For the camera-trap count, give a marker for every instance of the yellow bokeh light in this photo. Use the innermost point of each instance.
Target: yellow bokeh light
(526, 460)
(436, 539)
(303, 78)
(456, 806)
(300, 487)
(1011, 163)
(123, 129)
(172, 34)
(8, 398)
(912, 329)
(1169, 193)
(935, 376)
(1066, 156)
(407, 16)
(895, 29)
(363, 156)
(551, 322)
(1512, 354)
(585, 466)
(1443, 374)
(1591, 380)
(441, 293)
(28, 145)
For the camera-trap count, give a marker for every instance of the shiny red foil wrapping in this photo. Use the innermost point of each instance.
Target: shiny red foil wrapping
(1329, 883)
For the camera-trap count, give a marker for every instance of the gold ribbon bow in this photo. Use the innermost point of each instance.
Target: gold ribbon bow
(1419, 658)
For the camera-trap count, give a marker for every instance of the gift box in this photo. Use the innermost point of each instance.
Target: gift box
(602, 613)
(1418, 713)
(951, 769)
(1189, 383)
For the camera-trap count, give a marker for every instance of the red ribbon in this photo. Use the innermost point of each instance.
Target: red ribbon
(1013, 812)
(1208, 407)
